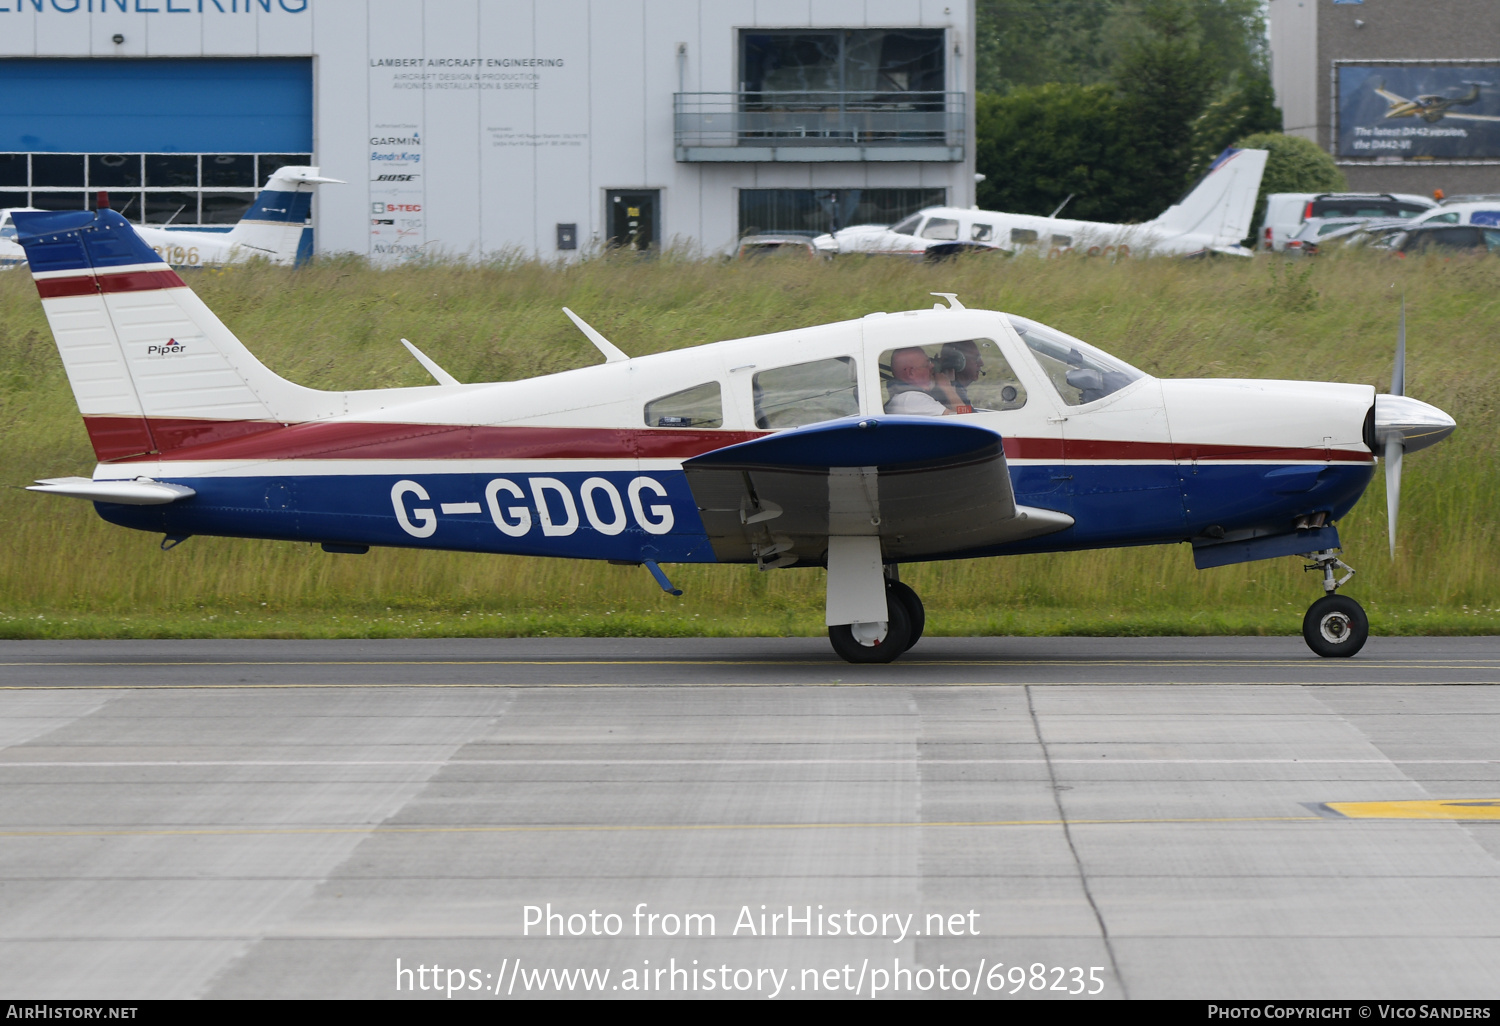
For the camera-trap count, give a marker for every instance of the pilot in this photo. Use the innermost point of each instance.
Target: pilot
(918, 390)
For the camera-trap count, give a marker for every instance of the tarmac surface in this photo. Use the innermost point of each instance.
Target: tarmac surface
(1212, 818)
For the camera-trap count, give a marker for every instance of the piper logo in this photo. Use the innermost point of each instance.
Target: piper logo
(171, 347)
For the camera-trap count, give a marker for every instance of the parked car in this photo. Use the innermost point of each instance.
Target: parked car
(764, 245)
(1287, 211)
(1445, 238)
(1483, 212)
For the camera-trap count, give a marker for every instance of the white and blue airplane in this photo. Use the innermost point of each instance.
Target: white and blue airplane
(1213, 217)
(857, 446)
(270, 230)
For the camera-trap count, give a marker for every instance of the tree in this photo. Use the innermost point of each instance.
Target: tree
(1294, 165)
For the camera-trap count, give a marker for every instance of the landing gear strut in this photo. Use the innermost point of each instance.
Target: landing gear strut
(1335, 626)
(883, 642)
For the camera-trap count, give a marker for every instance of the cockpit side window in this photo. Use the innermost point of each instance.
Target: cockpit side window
(943, 229)
(982, 233)
(1080, 373)
(981, 377)
(806, 393)
(909, 226)
(701, 406)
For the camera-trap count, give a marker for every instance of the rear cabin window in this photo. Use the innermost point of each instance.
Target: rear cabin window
(1022, 236)
(981, 376)
(943, 229)
(1080, 373)
(1062, 241)
(806, 393)
(701, 406)
(982, 233)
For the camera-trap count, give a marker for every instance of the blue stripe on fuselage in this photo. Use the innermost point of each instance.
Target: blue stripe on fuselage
(1112, 504)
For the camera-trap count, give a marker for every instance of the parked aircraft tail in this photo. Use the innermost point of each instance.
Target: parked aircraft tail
(153, 369)
(1222, 202)
(273, 225)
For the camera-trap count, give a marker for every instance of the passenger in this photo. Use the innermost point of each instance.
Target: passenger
(919, 391)
(965, 363)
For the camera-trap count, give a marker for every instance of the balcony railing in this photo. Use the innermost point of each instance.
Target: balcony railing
(819, 126)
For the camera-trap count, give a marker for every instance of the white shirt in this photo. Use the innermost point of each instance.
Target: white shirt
(915, 404)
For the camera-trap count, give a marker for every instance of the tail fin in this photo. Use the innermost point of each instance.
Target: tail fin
(152, 368)
(273, 226)
(1222, 202)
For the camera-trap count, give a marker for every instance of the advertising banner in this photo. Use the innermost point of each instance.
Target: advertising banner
(1404, 110)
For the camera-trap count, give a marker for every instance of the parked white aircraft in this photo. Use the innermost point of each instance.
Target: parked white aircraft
(1212, 218)
(271, 228)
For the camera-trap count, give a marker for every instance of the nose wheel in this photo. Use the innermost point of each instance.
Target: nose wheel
(1335, 626)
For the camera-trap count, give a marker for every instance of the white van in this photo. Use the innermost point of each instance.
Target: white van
(1286, 211)
(1483, 212)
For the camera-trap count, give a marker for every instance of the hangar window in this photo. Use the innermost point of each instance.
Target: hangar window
(806, 393)
(814, 211)
(698, 407)
(179, 189)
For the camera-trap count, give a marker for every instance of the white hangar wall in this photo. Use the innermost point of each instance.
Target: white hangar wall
(471, 127)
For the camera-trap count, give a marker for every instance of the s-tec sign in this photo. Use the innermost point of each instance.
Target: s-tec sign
(522, 505)
(395, 208)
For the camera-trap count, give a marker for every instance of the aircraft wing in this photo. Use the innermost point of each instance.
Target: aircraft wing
(1471, 117)
(926, 486)
(1382, 91)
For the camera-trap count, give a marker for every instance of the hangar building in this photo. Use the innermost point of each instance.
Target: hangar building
(475, 127)
(1340, 66)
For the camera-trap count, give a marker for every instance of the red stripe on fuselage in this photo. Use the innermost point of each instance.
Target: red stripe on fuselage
(185, 439)
(128, 281)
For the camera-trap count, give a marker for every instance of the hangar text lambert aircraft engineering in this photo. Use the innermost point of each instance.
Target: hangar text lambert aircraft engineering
(932, 434)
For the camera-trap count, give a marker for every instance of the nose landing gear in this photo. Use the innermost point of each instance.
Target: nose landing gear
(1335, 626)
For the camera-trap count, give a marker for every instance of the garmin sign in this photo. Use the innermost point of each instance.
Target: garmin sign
(153, 6)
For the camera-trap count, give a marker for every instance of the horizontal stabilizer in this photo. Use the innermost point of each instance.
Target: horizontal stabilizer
(923, 486)
(140, 492)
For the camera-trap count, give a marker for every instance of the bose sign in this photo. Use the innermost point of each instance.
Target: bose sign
(557, 511)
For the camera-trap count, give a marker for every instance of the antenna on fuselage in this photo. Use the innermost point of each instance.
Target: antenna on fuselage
(441, 376)
(1060, 206)
(612, 353)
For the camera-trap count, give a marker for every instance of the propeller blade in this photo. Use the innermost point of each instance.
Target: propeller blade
(1398, 373)
(1394, 450)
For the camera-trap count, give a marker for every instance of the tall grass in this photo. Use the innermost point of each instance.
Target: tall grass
(336, 324)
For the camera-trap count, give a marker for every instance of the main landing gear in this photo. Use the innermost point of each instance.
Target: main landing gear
(882, 642)
(1335, 626)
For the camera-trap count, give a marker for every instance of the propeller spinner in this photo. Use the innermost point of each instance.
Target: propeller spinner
(1404, 425)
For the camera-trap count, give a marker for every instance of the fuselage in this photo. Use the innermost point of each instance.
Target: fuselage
(1015, 233)
(589, 463)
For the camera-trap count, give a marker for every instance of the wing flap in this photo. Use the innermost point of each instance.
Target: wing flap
(925, 487)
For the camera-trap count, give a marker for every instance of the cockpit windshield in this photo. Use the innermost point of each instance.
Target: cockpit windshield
(1080, 373)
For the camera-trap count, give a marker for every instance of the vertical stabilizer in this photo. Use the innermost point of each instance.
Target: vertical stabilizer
(273, 226)
(1223, 201)
(151, 367)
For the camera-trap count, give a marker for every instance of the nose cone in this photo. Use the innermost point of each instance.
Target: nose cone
(1414, 423)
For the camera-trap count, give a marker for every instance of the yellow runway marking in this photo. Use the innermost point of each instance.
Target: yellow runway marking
(645, 828)
(1473, 808)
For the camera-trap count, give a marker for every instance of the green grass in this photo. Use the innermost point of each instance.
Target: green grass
(336, 324)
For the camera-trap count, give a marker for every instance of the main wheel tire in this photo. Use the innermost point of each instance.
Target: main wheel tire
(1335, 627)
(895, 591)
(897, 638)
